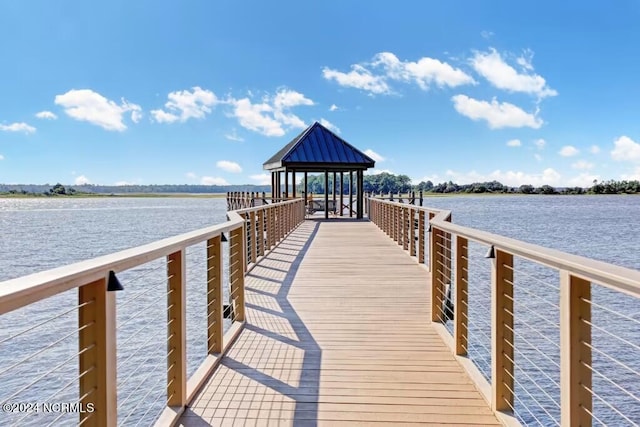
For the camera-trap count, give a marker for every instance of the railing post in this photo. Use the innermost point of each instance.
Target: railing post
(176, 330)
(502, 342)
(430, 217)
(271, 230)
(254, 237)
(236, 271)
(97, 354)
(215, 326)
(575, 351)
(412, 232)
(405, 228)
(436, 259)
(421, 230)
(261, 232)
(460, 305)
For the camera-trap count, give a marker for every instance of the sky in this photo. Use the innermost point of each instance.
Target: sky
(203, 92)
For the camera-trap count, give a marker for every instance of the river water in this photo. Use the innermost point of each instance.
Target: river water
(38, 234)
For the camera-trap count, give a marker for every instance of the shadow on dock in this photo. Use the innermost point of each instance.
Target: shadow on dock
(273, 324)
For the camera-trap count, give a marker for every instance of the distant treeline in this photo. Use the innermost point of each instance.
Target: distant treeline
(380, 183)
(385, 183)
(59, 189)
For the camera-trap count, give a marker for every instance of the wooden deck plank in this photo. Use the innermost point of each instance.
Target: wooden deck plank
(338, 333)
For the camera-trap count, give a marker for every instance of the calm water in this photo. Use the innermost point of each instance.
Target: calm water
(38, 234)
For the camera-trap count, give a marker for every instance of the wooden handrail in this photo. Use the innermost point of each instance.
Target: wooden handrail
(577, 274)
(97, 307)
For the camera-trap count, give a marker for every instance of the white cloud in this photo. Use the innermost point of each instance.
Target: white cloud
(123, 183)
(594, 149)
(46, 115)
(191, 175)
(82, 180)
(376, 171)
(210, 180)
(271, 117)
(184, 105)
(634, 176)
(333, 107)
(548, 176)
(329, 125)
(568, 151)
(582, 165)
(540, 143)
(261, 179)
(582, 180)
(514, 143)
(626, 149)
(375, 156)
(497, 114)
(256, 117)
(233, 136)
(1, 157)
(538, 157)
(424, 72)
(89, 106)
(18, 127)
(161, 116)
(493, 67)
(486, 34)
(229, 166)
(360, 78)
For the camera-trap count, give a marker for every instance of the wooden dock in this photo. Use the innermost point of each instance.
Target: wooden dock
(338, 332)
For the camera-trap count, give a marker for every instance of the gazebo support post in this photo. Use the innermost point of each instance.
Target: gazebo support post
(350, 193)
(306, 188)
(293, 184)
(359, 194)
(286, 184)
(326, 194)
(333, 187)
(341, 192)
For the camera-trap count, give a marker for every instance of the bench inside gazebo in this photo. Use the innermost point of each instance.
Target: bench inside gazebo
(317, 149)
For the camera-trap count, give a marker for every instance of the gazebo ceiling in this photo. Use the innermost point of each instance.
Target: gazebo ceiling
(317, 149)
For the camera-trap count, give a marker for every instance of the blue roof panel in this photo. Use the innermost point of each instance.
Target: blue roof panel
(317, 145)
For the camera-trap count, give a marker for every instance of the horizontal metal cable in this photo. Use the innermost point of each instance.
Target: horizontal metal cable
(17, 393)
(140, 383)
(136, 315)
(530, 276)
(139, 347)
(613, 359)
(32, 355)
(144, 398)
(618, 386)
(536, 401)
(48, 320)
(521, 304)
(520, 288)
(592, 415)
(516, 334)
(74, 380)
(160, 267)
(613, 408)
(515, 366)
(601, 307)
(611, 334)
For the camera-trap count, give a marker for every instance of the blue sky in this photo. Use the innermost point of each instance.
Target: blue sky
(204, 92)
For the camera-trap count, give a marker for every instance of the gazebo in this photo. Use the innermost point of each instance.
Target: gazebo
(317, 149)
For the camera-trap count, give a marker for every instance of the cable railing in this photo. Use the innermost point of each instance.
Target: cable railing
(105, 341)
(550, 338)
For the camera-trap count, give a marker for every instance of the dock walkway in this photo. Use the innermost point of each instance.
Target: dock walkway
(338, 332)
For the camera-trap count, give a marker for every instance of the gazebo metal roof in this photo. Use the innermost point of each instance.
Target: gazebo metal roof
(318, 149)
